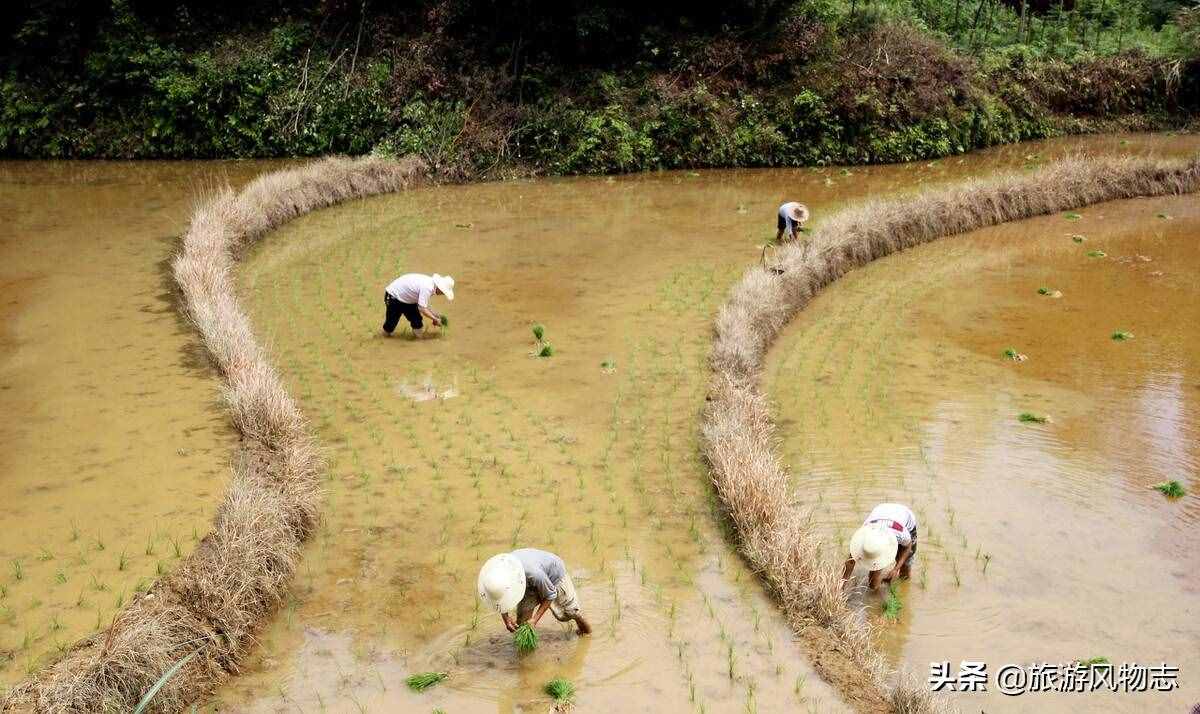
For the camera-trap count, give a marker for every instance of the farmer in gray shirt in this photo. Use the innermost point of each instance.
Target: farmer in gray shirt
(529, 582)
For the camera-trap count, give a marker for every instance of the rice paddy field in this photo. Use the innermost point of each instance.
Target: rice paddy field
(1038, 539)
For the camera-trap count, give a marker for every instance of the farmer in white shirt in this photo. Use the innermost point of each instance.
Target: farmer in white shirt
(528, 582)
(791, 216)
(408, 295)
(886, 542)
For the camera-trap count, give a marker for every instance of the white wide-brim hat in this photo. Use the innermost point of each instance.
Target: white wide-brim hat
(799, 213)
(502, 582)
(874, 545)
(445, 283)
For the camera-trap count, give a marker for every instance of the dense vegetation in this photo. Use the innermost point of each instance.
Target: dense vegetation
(479, 86)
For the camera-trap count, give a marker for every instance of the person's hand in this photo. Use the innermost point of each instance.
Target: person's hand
(893, 574)
(437, 321)
(508, 623)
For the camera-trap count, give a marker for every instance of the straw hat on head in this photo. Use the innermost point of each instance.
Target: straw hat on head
(874, 545)
(445, 283)
(502, 582)
(799, 213)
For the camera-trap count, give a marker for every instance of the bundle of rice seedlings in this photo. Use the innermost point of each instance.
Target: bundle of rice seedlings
(1121, 335)
(608, 365)
(425, 680)
(546, 350)
(560, 689)
(1093, 661)
(1013, 355)
(1031, 418)
(1072, 216)
(525, 638)
(892, 604)
(539, 331)
(1164, 216)
(1170, 489)
(1096, 254)
(445, 320)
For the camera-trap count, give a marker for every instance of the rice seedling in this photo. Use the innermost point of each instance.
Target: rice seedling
(546, 350)
(609, 366)
(45, 555)
(425, 680)
(1121, 336)
(18, 570)
(539, 331)
(1031, 418)
(1012, 354)
(1170, 489)
(1096, 254)
(525, 638)
(892, 604)
(158, 685)
(122, 561)
(560, 689)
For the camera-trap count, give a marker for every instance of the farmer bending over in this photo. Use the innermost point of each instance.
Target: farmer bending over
(791, 216)
(529, 582)
(886, 542)
(408, 295)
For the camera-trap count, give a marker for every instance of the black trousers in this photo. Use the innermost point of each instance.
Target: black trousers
(394, 309)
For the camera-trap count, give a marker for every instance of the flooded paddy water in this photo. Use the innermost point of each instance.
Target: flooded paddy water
(444, 451)
(113, 442)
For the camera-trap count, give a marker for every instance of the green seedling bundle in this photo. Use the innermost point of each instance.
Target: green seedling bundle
(525, 638)
(560, 689)
(1031, 418)
(892, 605)
(425, 680)
(1170, 489)
(1122, 336)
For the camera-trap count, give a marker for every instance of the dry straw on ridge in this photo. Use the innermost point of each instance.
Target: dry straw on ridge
(737, 430)
(213, 603)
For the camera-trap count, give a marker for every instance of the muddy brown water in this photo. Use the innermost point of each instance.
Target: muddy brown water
(590, 453)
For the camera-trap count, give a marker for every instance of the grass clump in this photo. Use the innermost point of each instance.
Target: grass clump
(1096, 254)
(1031, 418)
(1121, 336)
(539, 331)
(560, 689)
(892, 605)
(425, 680)
(525, 638)
(1170, 489)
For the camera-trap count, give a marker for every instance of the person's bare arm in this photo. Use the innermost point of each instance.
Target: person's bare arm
(542, 607)
(874, 579)
(430, 315)
(901, 559)
(848, 569)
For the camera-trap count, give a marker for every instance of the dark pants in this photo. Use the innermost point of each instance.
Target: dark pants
(395, 309)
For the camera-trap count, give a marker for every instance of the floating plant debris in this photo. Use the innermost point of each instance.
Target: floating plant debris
(1170, 489)
(1078, 238)
(1013, 355)
(1121, 335)
(1072, 216)
(525, 638)
(463, 225)
(1092, 661)
(425, 680)
(1165, 216)
(1096, 254)
(1031, 418)
(1048, 292)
